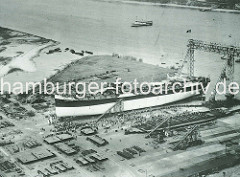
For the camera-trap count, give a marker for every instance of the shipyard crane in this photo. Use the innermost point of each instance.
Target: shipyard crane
(190, 138)
(230, 51)
(168, 120)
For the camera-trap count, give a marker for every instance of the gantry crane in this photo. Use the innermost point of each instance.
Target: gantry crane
(230, 51)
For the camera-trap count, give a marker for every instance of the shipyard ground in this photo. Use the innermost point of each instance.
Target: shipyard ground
(29, 122)
(158, 160)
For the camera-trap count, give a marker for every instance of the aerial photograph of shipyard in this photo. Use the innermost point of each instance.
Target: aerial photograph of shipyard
(119, 88)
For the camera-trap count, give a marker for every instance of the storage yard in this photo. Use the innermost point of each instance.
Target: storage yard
(197, 140)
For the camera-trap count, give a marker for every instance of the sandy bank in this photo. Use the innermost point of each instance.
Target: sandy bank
(174, 6)
(23, 62)
(18, 49)
(26, 57)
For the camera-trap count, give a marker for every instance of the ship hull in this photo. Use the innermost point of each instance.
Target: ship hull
(65, 110)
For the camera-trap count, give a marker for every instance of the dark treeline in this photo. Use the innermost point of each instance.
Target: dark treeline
(225, 4)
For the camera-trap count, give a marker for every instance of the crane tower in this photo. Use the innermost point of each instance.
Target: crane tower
(230, 51)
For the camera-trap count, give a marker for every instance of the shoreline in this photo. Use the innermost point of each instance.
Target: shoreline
(18, 50)
(23, 56)
(205, 9)
(24, 68)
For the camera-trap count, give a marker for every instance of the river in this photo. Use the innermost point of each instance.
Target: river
(104, 28)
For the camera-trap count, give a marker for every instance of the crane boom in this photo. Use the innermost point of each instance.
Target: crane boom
(118, 106)
(154, 129)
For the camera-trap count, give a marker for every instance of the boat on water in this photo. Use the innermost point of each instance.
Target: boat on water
(237, 61)
(140, 23)
(205, 9)
(224, 58)
(71, 106)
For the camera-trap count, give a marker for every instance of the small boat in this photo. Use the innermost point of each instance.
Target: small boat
(205, 10)
(79, 53)
(224, 58)
(88, 52)
(150, 23)
(141, 23)
(237, 61)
